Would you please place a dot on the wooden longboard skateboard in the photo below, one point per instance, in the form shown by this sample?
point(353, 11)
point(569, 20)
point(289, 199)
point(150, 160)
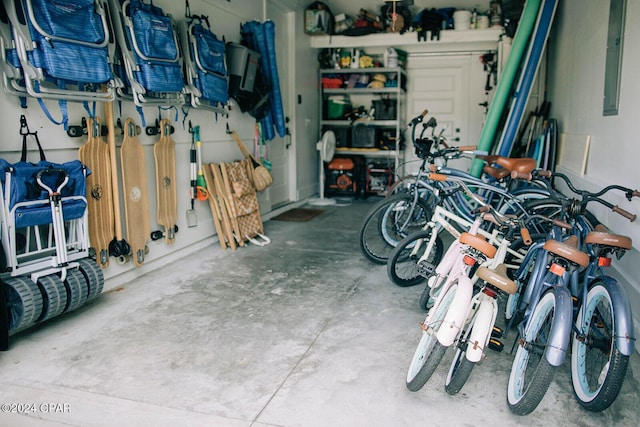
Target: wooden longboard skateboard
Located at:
point(223, 228)
point(95, 155)
point(136, 199)
point(164, 152)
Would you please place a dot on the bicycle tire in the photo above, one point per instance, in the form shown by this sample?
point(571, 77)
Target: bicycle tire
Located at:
point(429, 352)
point(382, 228)
point(531, 373)
point(597, 366)
point(402, 267)
point(461, 367)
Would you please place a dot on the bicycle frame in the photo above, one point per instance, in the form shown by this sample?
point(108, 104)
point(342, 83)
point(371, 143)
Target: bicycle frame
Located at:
point(444, 219)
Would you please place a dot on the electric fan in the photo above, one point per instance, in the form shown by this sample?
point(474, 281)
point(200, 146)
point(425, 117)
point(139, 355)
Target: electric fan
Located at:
point(327, 148)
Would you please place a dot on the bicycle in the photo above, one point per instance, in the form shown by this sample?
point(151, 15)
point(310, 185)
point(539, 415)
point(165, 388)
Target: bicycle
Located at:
point(592, 315)
point(445, 319)
point(480, 331)
point(396, 217)
point(468, 319)
point(453, 285)
point(416, 256)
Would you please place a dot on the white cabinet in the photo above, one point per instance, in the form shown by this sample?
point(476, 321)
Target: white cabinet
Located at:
point(378, 94)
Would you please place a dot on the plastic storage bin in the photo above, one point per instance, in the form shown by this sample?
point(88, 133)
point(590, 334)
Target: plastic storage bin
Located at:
point(338, 106)
point(363, 135)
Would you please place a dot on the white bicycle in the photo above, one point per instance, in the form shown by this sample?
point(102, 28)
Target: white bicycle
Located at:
point(458, 316)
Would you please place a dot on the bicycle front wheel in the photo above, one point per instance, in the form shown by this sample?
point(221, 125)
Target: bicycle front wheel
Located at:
point(461, 367)
point(388, 222)
point(402, 266)
point(429, 352)
point(531, 373)
point(597, 366)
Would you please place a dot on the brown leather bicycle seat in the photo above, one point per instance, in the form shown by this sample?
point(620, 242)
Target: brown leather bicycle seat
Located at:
point(521, 165)
point(479, 243)
point(489, 158)
point(608, 239)
point(567, 250)
point(497, 173)
point(498, 278)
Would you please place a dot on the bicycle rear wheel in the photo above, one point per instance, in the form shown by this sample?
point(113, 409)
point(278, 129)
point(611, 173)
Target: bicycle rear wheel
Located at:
point(429, 352)
point(402, 266)
point(388, 222)
point(531, 373)
point(597, 366)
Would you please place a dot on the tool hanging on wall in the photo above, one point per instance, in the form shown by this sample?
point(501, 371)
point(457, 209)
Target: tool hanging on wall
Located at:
point(491, 68)
point(260, 174)
point(192, 218)
point(201, 185)
point(260, 147)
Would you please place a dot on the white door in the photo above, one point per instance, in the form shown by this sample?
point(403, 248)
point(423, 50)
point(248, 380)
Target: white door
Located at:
point(451, 88)
point(279, 154)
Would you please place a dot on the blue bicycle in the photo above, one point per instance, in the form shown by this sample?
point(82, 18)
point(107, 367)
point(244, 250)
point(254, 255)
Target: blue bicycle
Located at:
point(566, 298)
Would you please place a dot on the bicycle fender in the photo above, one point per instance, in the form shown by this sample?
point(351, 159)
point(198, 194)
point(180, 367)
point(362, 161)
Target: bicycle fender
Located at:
point(623, 318)
point(456, 315)
point(481, 332)
point(561, 328)
point(445, 265)
point(450, 257)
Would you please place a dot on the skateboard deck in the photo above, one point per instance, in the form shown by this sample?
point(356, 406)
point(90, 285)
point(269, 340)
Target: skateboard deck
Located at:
point(223, 228)
point(136, 200)
point(164, 152)
point(118, 248)
point(95, 155)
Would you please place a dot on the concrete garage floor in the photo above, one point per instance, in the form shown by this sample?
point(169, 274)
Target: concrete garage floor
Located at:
point(304, 332)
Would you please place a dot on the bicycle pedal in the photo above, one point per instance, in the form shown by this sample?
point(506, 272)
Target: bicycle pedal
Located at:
point(496, 345)
point(497, 332)
point(426, 269)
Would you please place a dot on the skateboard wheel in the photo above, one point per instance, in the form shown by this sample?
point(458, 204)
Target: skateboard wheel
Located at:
point(122, 259)
point(75, 131)
point(156, 235)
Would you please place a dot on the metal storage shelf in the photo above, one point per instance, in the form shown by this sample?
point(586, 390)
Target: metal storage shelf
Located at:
point(377, 123)
point(368, 152)
point(393, 93)
point(450, 41)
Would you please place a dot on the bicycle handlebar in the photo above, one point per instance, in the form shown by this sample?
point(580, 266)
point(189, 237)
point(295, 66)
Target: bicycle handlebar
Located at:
point(418, 118)
point(631, 217)
point(587, 196)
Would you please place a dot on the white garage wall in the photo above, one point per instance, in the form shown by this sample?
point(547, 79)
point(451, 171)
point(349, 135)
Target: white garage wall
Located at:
point(576, 88)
